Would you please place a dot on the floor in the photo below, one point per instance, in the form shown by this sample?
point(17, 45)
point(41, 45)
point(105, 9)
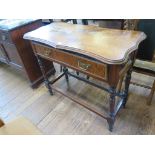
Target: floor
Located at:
point(59, 115)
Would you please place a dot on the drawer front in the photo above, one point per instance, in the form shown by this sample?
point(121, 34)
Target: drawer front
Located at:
point(84, 65)
point(5, 37)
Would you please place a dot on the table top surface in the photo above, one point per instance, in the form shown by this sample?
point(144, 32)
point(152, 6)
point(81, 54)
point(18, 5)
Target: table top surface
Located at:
point(110, 46)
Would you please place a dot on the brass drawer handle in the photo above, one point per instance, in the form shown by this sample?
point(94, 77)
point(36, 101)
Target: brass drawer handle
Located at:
point(83, 66)
point(47, 53)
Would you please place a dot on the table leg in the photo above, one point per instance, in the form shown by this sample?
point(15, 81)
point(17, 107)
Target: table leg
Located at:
point(46, 81)
point(111, 118)
point(77, 73)
point(65, 70)
point(61, 68)
point(1, 123)
point(88, 77)
point(151, 94)
point(127, 83)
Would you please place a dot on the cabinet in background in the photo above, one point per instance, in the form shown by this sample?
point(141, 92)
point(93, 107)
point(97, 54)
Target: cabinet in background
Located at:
point(18, 53)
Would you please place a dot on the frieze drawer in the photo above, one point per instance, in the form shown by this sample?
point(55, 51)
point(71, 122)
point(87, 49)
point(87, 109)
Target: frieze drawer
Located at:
point(90, 67)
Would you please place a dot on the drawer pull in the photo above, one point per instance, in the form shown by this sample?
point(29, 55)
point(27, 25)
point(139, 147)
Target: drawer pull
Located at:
point(83, 66)
point(47, 53)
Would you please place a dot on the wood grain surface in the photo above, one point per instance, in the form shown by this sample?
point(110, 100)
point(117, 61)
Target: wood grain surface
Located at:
point(107, 45)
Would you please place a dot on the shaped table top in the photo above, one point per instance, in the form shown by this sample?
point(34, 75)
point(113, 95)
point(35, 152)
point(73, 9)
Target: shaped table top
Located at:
point(110, 46)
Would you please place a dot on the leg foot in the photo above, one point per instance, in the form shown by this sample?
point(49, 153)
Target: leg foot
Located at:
point(77, 73)
point(88, 77)
point(49, 87)
point(124, 101)
point(111, 118)
point(65, 70)
point(66, 76)
point(111, 121)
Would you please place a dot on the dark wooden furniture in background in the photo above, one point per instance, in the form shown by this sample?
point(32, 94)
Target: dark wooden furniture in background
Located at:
point(145, 52)
point(104, 54)
point(111, 22)
point(147, 68)
point(18, 53)
point(147, 48)
point(86, 21)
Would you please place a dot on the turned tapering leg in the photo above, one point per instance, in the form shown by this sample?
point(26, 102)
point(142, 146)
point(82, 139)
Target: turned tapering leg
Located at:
point(61, 68)
point(88, 77)
point(46, 81)
point(77, 73)
point(111, 118)
point(127, 83)
point(151, 94)
point(65, 70)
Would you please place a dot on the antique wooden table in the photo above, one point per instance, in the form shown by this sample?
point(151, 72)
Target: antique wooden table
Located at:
point(104, 54)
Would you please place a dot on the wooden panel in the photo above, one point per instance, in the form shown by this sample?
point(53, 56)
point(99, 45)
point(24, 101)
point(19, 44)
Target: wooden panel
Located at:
point(110, 46)
point(3, 56)
point(19, 52)
point(13, 55)
point(76, 62)
point(5, 37)
point(25, 51)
